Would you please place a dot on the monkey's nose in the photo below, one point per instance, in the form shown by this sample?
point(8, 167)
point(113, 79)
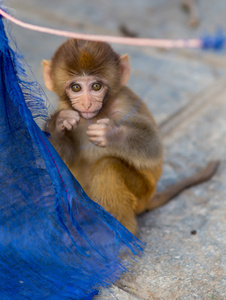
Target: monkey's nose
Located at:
point(87, 105)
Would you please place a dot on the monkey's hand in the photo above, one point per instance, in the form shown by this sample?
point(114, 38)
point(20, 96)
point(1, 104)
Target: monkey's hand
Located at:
point(101, 132)
point(67, 119)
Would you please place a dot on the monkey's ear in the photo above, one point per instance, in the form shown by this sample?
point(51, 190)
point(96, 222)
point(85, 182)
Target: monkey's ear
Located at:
point(47, 74)
point(124, 62)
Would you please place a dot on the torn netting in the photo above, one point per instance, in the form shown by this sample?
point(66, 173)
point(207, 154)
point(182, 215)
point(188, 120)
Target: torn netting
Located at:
point(55, 243)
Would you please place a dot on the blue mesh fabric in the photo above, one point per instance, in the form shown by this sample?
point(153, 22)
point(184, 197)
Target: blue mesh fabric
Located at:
point(55, 243)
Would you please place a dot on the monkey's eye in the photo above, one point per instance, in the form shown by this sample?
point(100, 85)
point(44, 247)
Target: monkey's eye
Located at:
point(96, 86)
point(76, 88)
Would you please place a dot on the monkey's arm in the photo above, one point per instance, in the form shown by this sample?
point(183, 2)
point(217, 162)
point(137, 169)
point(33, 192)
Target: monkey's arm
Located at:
point(62, 137)
point(140, 138)
point(136, 141)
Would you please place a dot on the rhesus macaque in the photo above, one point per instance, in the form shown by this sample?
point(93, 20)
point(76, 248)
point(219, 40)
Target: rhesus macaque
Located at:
point(105, 133)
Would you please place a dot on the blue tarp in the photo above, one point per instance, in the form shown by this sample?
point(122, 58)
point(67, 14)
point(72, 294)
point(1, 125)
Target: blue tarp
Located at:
point(55, 243)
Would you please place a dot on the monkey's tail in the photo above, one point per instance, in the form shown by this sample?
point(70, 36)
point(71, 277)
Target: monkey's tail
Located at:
point(203, 175)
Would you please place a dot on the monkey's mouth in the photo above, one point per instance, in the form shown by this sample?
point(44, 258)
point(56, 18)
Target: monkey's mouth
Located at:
point(89, 115)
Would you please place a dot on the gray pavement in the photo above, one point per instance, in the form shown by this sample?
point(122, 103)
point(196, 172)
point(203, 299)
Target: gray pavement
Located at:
point(185, 90)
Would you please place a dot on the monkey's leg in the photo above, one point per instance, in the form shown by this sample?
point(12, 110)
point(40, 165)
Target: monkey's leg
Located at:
point(108, 187)
point(163, 197)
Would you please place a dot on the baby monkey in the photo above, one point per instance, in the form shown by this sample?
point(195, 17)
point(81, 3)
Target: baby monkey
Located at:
point(105, 133)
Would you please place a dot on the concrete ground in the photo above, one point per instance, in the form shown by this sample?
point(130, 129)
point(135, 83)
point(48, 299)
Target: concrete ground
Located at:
point(185, 253)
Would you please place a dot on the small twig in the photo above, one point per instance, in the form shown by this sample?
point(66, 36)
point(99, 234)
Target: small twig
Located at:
point(191, 7)
point(126, 31)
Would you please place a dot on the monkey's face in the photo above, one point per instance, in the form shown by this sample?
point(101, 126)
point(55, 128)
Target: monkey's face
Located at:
point(86, 94)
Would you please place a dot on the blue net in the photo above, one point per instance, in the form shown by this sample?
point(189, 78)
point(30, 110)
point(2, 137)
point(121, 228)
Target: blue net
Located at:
point(55, 243)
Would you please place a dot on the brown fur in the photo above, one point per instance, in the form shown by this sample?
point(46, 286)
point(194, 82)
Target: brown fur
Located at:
point(78, 57)
point(122, 176)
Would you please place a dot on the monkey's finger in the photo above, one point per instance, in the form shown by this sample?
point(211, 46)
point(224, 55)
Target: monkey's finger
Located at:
point(60, 126)
point(67, 125)
point(103, 121)
point(94, 139)
point(68, 113)
point(97, 127)
point(73, 122)
point(98, 141)
point(97, 133)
